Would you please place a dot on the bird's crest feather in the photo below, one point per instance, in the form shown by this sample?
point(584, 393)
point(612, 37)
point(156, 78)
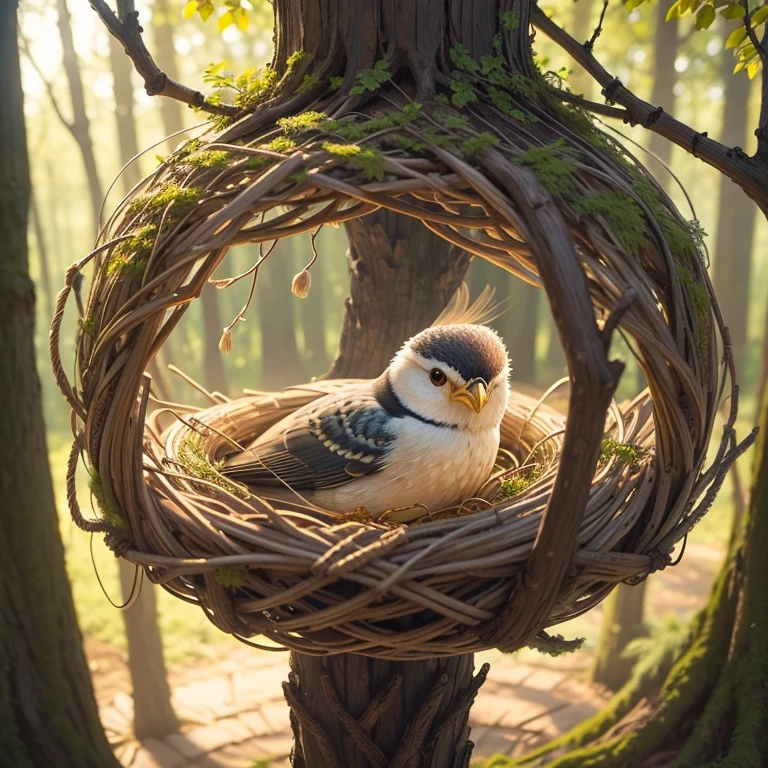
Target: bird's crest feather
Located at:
point(481, 312)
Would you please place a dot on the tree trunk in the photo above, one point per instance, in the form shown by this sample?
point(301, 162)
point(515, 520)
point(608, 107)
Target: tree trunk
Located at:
point(80, 125)
point(622, 623)
point(280, 359)
point(398, 287)
point(43, 257)
point(214, 375)
point(48, 714)
point(401, 278)
point(122, 89)
point(153, 713)
point(735, 222)
point(667, 41)
point(762, 381)
point(165, 56)
point(581, 29)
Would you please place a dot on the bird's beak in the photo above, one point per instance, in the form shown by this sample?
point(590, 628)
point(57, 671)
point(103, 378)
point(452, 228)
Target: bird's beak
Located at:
point(474, 394)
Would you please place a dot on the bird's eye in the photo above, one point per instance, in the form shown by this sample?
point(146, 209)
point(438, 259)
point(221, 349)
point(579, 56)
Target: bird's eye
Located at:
point(437, 377)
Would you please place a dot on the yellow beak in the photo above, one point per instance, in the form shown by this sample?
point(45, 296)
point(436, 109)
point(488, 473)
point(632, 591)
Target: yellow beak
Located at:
point(473, 394)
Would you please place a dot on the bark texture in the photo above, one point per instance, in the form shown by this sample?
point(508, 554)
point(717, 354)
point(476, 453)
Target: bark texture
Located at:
point(352, 712)
point(402, 276)
point(48, 714)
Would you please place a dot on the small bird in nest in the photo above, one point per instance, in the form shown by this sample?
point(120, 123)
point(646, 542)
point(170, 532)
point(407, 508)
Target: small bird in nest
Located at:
point(425, 433)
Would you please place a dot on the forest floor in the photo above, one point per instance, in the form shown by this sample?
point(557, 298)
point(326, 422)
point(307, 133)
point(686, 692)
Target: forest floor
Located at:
point(234, 716)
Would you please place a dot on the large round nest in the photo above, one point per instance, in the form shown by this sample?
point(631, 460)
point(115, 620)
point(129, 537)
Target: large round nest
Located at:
point(561, 208)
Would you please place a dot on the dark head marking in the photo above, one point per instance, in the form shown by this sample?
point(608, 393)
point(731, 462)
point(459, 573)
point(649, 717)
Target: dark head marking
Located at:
point(474, 351)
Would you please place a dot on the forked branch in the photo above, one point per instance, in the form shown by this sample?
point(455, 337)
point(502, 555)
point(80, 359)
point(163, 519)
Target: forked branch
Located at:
point(750, 173)
point(126, 28)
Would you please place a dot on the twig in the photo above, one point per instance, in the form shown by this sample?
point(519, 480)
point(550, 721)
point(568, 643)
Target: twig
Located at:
point(749, 173)
point(751, 34)
point(127, 30)
point(590, 44)
point(47, 84)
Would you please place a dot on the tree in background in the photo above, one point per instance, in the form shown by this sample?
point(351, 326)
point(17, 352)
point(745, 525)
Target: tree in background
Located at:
point(48, 714)
point(153, 713)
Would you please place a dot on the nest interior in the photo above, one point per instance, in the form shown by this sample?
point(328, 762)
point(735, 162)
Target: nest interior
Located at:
point(535, 189)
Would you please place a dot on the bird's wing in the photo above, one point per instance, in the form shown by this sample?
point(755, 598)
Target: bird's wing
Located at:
point(327, 443)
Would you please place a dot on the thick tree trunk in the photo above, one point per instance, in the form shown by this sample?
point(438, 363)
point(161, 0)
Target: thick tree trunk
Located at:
point(48, 714)
point(735, 222)
point(80, 125)
point(280, 359)
point(343, 718)
point(401, 278)
point(399, 286)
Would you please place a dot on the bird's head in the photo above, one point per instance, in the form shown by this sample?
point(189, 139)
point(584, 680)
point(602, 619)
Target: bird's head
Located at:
point(453, 374)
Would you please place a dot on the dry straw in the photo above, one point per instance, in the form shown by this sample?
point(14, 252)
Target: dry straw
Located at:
point(551, 201)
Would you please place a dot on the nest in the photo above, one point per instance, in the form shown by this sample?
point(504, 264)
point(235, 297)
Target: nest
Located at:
point(552, 201)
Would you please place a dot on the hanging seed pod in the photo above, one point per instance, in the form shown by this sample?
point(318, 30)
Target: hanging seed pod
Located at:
point(225, 342)
point(301, 283)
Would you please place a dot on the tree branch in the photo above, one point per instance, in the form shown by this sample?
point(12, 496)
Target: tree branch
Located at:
point(24, 45)
point(127, 30)
point(750, 173)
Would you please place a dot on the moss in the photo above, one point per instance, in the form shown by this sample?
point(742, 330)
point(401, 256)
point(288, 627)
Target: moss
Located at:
point(303, 122)
point(132, 255)
point(106, 504)
point(478, 143)
point(281, 144)
point(553, 165)
point(627, 454)
point(193, 457)
point(697, 293)
point(515, 484)
point(231, 576)
point(177, 200)
point(406, 143)
point(555, 645)
point(366, 160)
point(309, 82)
point(622, 214)
point(87, 325)
point(218, 158)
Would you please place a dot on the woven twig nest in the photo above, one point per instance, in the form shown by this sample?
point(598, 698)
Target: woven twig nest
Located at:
point(560, 207)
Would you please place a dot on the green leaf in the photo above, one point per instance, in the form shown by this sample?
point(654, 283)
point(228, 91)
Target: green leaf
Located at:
point(190, 9)
point(241, 19)
point(206, 10)
point(630, 5)
point(733, 11)
point(736, 38)
point(760, 15)
point(705, 17)
point(753, 67)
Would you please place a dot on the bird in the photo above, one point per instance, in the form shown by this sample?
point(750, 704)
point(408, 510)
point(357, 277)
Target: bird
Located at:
point(425, 433)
